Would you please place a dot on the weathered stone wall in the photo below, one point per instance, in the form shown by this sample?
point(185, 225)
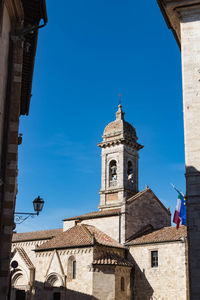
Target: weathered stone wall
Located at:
point(48, 263)
point(11, 59)
point(29, 247)
point(190, 45)
point(125, 273)
point(184, 19)
point(168, 280)
point(143, 211)
point(4, 48)
point(104, 282)
point(68, 224)
point(107, 282)
point(109, 225)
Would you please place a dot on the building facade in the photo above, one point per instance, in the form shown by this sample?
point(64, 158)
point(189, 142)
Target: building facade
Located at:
point(19, 24)
point(125, 250)
point(183, 17)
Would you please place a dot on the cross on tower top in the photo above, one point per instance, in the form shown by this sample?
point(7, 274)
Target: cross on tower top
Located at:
point(120, 95)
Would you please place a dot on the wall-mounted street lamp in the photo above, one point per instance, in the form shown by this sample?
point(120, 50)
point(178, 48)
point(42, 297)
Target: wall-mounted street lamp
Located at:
point(38, 204)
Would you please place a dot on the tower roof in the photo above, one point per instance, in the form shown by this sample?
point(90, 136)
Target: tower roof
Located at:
point(119, 131)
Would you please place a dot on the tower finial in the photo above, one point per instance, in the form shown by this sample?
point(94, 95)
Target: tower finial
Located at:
point(120, 113)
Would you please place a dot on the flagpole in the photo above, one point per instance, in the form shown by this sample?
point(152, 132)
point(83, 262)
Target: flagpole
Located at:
point(174, 187)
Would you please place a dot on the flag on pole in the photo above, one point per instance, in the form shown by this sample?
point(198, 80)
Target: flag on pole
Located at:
point(180, 211)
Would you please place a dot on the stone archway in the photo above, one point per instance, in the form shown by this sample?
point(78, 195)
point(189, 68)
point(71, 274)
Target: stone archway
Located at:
point(19, 283)
point(54, 286)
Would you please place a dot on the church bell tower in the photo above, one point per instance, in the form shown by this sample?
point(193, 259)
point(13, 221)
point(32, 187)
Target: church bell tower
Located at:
point(119, 163)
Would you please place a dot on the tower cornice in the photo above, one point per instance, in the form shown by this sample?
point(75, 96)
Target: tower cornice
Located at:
point(118, 142)
point(173, 11)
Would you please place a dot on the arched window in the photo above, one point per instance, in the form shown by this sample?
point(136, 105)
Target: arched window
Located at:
point(113, 170)
point(74, 269)
point(71, 269)
point(122, 284)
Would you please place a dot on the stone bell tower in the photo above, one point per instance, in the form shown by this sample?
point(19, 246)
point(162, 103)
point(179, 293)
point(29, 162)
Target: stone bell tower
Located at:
point(119, 159)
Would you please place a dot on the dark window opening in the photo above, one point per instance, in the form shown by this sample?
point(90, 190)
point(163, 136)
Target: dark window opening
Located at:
point(20, 295)
point(130, 172)
point(113, 170)
point(154, 259)
point(56, 296)
point(122, 284)
point(74, 269)
point(130, 168)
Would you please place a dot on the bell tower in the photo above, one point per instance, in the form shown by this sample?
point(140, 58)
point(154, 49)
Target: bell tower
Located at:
point(119, 162)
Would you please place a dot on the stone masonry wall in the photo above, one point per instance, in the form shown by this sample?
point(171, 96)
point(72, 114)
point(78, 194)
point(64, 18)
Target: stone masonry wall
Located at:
point(165, 282)
point(104, 282)
point(190, 45)
point(143, 211)
point(11, 97)
point(125, 273)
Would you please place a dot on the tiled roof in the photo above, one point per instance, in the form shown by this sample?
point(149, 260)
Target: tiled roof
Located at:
point(165, 234)
point(111, 259)
point(95, 214)
point(36, 235)
point(25, 257)
point(77, 236)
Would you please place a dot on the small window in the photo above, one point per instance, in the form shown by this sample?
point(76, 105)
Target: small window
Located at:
point(154, 259)
point(122, 284)
point(74, 269)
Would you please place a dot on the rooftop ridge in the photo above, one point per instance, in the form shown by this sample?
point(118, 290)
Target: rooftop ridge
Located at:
point(36, 235)
point(95, 214)
point(164, 234)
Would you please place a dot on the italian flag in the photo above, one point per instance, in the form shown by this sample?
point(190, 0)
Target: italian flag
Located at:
point(176, 218)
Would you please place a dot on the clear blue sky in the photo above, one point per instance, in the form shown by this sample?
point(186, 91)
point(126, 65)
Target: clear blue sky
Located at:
point(89, 52)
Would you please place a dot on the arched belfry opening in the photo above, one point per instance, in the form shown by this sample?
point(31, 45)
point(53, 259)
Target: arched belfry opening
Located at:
point(130, 172)
point(119, 177)
point(113, 171)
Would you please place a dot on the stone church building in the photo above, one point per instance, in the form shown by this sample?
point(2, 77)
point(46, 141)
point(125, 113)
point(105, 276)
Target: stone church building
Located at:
point(125, 250)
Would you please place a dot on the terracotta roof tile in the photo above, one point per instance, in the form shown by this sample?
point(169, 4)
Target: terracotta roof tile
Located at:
point(79, 235)
point(36, 235)
point(95, 214)
point(165, 234)
point(111, 259)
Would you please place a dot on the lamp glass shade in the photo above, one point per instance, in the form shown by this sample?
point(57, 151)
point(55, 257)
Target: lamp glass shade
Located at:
point(38, 204)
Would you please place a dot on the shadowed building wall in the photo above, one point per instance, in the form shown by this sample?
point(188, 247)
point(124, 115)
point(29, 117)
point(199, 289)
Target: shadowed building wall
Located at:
point(19, 20)
point(183, 17)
